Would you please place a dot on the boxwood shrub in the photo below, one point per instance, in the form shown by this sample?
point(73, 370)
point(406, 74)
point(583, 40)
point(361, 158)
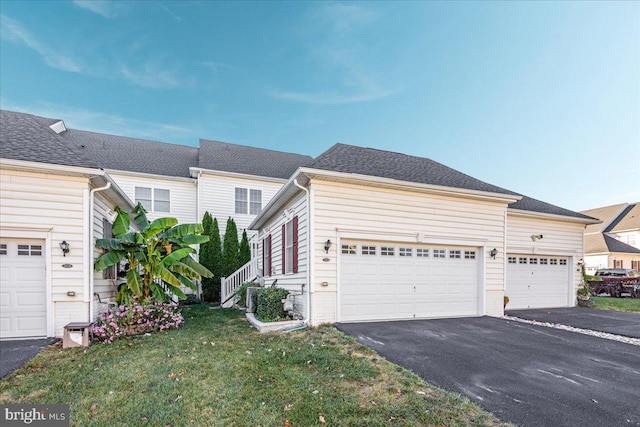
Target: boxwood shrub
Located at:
point(270, 307)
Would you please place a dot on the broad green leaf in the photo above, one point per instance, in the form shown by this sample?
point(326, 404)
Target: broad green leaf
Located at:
point(158, 226)
point(181, 230)
point(157, 292)
point(108, 259)
point(133, 281)
point(177, 255)
point(199, 268)
point(167, 276)
point(176, 291)
point(185, 270)
point(191, 240)
point(186, 282)
point(121, 223)
point(140, 219)
point(109, 244)
point(132, 238)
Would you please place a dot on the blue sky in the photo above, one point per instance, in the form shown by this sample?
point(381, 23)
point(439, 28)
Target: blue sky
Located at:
point(542, 98)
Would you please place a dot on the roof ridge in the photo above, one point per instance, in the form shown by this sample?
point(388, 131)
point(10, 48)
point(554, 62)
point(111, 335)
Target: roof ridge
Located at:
point(132, 138)
point(253, 148)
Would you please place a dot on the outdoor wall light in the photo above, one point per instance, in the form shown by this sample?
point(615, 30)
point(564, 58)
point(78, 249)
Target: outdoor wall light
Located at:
point(493, 253)
point(65, 247)
point(327, 245)
point(535, 237)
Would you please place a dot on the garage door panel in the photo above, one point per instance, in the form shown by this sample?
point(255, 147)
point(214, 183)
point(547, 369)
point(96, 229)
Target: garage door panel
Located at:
point(23, 289)
point(405, 287)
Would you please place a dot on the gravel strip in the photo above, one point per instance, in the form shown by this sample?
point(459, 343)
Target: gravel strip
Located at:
point(628, 340)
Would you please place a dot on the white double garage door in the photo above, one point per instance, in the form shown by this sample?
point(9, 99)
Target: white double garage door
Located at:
point(387, 281)
point(391, 281)
point(23, 310)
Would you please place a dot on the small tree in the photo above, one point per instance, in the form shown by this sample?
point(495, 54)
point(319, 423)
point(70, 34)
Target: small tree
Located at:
point(158, 257)
point(245, 250)
point(230, 250)
point(211, 257)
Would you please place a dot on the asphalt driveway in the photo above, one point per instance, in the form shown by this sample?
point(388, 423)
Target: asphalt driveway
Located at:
point(613, 322)
point(525, 374)
point(15, 353)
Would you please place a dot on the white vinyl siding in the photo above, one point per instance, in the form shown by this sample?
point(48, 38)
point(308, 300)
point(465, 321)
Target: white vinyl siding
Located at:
point(405, 215)
point(218, 197)
point(56, 203)
point(182, 194)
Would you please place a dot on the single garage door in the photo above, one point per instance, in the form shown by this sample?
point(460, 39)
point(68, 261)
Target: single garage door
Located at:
point(385, 281)
point(537, 281)
point(23, 310)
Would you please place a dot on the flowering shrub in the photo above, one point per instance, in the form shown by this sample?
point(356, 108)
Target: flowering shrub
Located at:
point(135, 319)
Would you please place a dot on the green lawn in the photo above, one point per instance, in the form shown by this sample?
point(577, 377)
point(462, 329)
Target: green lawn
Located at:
point(218, 371)
point(617, 304)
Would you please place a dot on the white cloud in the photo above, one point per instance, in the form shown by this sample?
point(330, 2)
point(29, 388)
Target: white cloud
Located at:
point(151, 76)
point(14, 31)
point(102, 8)
point(331, 98)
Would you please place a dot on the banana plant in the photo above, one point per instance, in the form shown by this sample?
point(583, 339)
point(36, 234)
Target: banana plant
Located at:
point(157, 254)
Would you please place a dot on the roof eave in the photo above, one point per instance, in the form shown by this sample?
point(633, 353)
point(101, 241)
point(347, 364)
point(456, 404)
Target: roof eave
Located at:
point(542, 215)
point(283, 195)
point(194, 171)
point(428, 188)
point(29, 166)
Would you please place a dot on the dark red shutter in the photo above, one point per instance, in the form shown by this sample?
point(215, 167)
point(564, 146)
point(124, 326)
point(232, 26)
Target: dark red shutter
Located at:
point(284, 248)
point(264, 264)
point(270, 254)
point(295, 244)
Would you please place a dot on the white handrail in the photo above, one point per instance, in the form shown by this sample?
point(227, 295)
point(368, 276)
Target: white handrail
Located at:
point(228, 285)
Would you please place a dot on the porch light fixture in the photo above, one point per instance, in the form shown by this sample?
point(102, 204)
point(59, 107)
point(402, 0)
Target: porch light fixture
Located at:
point(493, 253)
point(327, 245)
point(535, 237)
point(65, 247)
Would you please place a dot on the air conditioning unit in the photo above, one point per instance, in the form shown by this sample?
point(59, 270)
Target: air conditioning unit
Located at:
point(251, 300)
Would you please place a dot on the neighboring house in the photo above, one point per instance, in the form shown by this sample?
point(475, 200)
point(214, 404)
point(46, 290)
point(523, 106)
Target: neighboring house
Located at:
point(48, 195)
point(364, 234)
point(614, 243)
point(46, 171)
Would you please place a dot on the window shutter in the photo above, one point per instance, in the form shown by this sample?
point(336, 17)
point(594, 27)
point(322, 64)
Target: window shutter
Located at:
point(295, 244)
point(264, 264)
point(270, 254)
point(284, 247)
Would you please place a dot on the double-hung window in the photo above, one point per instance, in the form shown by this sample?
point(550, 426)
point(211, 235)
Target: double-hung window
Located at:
point(154, 199)
point(266, 256)
point(241, 200)
point(255, 202)
point(248, 201)
point(290, 246)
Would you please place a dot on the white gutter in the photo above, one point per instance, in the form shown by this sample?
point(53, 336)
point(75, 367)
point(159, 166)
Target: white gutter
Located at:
point(542, 215)
point(309, 247)
point(91, 246)
point(193, 170)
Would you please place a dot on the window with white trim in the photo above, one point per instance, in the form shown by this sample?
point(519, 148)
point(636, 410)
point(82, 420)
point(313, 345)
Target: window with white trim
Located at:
point(533, 261)
point(563, 262)
point(617, 263)
point(405, 252)
point(288, 258)
point(241, 200)
point(153, 199)
point(368, 250)
point(439, 253)
point(544, 261)
point(455, 254)
point(422, 253)
point(30, 250)
point(255, 202)
point(553, 261)
point(349, 249)
point(522, 260)
point(387, 251)
point(469, 254)
point(513, 260)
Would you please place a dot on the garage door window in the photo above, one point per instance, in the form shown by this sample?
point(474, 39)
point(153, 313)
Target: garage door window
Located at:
point(405, 252)
point(469, 254)
point(439, 253)
point(387, 251)
point(533, 261)
point(522, 260)
point(30, 250)
point(368, 250)
point(3, 249)
point(513, 260)
point(454, 254)
point(349, 249)
point(563, 262)
point(422, 253)
point(544, 261)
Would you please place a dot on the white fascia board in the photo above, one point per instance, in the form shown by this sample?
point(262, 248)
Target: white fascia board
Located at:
point(404, 185)
point(119, 194)
point(194, 173)
point(283, 195)
point(548, 216)
point(151, 175)
point(606, 224)
point(51, 168)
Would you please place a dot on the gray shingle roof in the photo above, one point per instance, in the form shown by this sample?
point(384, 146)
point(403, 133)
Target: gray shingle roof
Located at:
point(29, 138)
point(627, 220)
point(220, 156)
point(601, 243)
point(132, 154)
point(387, 164)
point(604, 214)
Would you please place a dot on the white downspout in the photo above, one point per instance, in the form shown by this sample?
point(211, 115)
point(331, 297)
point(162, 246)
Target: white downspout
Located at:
point(92, 245)
point(309, 254)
